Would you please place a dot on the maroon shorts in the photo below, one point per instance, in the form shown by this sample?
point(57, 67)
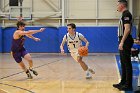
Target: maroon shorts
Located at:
point(18, 55)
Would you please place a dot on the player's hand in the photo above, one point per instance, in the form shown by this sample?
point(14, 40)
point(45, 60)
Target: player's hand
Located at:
point(42, 29)
point(137, 41)
point(121, 46)
point(62, 52)
point(19, 18)
point(86, 47)
point(36, 39)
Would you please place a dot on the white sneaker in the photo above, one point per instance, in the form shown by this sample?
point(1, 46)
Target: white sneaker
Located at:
point(136, 59)
point(88, 75)
point(132, 59)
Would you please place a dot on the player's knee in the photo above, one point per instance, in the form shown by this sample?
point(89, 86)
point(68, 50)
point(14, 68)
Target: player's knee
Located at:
point(30, 60)
point(79, 60)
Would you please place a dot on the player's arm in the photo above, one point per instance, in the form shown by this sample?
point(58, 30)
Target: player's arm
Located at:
point(84, 39)
point(32, 37)
point(126, 32)
point(137, 41)
point(127, 18)
point(30, 32)
point(62, 44)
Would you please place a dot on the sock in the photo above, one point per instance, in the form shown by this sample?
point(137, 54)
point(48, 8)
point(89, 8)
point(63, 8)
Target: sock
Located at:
point(87, 72)
point(88, 68)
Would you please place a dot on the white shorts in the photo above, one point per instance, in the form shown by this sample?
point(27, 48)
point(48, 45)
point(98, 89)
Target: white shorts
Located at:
point(75, 55)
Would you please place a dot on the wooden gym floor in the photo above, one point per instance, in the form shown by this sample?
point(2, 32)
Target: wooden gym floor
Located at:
point(59, 74)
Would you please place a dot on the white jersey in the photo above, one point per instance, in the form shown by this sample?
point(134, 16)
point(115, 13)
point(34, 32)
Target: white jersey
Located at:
point(73, 43)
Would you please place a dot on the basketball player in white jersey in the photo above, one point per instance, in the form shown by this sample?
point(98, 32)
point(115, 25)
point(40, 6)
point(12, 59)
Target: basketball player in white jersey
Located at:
point(74, 41)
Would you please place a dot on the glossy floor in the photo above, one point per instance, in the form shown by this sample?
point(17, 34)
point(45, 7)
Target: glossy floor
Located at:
point(59, 74)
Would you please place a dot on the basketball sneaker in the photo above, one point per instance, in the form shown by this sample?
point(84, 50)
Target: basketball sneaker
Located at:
point(34, 72)
point(91, 71)
point(29, 75)
point(88, 75)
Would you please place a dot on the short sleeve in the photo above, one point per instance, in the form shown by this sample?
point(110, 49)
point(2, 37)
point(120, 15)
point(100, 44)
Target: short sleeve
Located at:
point(81, 36)
point(127, 18)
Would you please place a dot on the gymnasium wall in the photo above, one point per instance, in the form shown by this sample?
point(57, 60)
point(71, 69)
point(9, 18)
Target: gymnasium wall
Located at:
point(136, 8)
point(81, 12)
point(0, 39)
point(102, 39)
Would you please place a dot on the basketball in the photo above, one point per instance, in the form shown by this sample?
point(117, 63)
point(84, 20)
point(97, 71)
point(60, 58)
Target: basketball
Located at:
point(83, 51)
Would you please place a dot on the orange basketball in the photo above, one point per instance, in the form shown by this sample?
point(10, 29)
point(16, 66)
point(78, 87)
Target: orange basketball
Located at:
point(83, 51)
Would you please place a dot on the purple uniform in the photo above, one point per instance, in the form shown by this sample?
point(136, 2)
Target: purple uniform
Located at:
point(18, 50)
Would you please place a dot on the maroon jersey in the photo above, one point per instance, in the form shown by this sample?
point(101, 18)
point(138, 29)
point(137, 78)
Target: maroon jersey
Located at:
point(18, 44)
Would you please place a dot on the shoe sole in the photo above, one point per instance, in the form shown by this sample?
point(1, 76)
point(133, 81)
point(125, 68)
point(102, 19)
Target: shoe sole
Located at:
point(29, 78)
point(35, 73)
point(116, 87)
point(88, 77)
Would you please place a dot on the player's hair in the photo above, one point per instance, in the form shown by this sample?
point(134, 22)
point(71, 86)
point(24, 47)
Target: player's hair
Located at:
point(72, 25)
point(123, 2)
point(20, 23)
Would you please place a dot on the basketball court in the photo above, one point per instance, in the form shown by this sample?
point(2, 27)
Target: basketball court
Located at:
point(60, 74)
point(96, 20)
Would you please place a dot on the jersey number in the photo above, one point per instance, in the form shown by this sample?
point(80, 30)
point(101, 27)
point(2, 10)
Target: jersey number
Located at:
point(74, 45)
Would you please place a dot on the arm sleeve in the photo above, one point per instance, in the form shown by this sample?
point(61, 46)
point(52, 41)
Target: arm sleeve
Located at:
point(127, 18)
point(81, 36)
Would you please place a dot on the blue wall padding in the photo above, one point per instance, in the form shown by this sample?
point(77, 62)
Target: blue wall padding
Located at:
point(7, 38)
point(0, 39)
point(134, 32)
point(62, 32)
point(49, 41)
point(102, 39)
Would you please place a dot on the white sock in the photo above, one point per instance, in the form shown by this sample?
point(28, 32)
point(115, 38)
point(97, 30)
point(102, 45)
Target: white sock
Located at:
point(88, 72)
point(88, 68)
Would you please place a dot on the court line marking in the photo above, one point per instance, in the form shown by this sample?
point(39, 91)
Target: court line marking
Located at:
point(22, 72)
point(34, 67)
point(17, 87)
point(118, 71)
point(4, 91)
point(39, 67)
